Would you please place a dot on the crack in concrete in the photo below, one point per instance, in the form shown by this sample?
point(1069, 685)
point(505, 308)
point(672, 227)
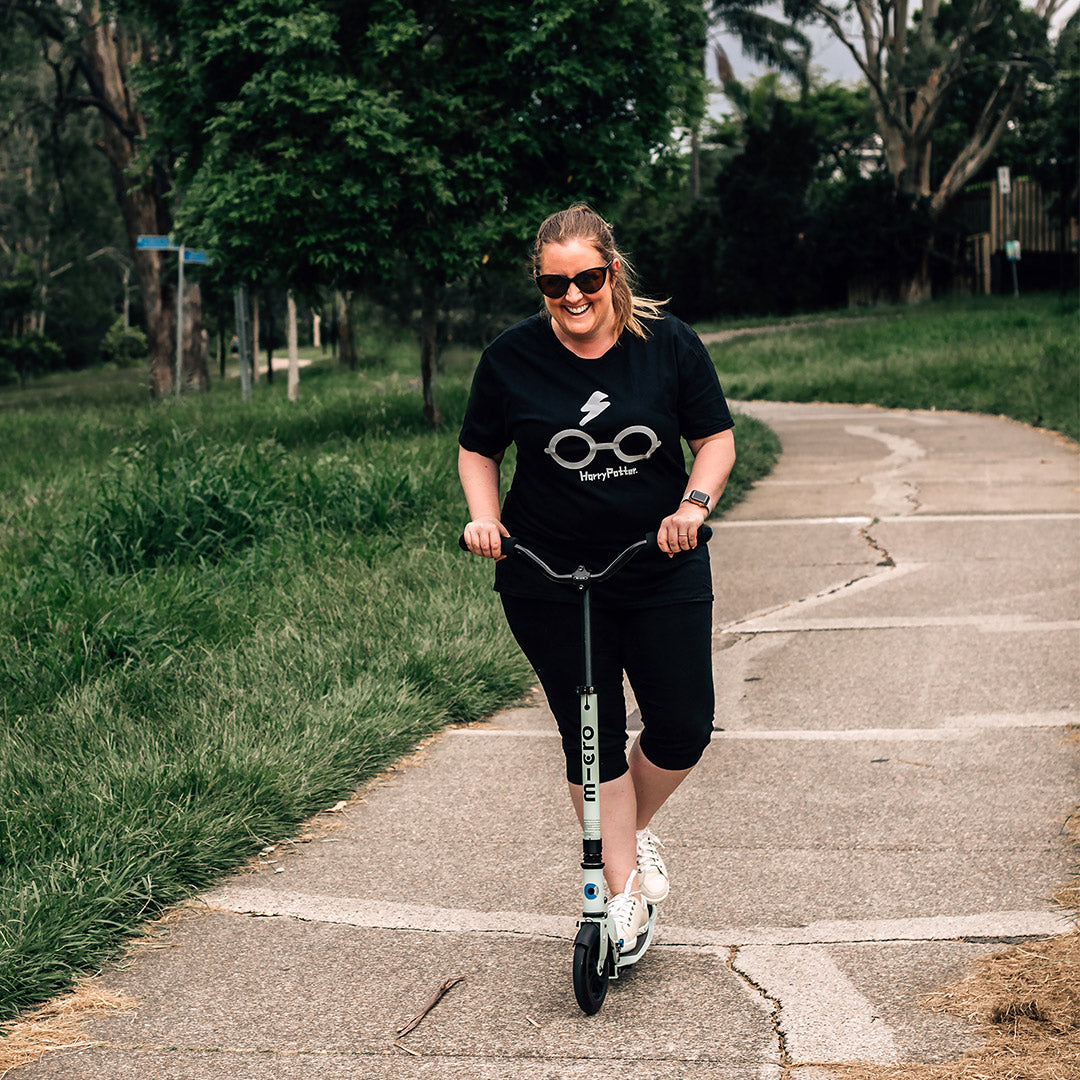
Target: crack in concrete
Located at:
point(876, 545)
point(774, 1005)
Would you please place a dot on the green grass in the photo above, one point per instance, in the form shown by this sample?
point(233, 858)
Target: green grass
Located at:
point(216, 619)
point(1008, 356)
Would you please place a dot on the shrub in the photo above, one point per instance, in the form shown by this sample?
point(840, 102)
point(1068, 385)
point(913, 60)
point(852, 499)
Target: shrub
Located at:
point(29, 355)
point(125, 346)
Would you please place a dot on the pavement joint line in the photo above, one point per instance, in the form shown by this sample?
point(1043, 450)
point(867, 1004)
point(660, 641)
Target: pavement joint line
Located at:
point(378, 1050)
point(388, 915)
point(893, 519)
point(987, 624)
point(958, 727)
point(789, 609)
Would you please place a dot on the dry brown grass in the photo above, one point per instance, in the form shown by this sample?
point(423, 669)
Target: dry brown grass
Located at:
point(1025, 1002)
point(58, 1024)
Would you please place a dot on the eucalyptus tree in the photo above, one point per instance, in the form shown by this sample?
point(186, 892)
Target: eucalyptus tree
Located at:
point(323, 141)
point(91, 50)
point(915, 59)
point(56, 214)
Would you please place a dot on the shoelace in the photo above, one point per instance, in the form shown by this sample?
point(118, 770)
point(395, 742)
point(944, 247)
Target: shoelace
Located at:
point(647, 854)
point(622, 906)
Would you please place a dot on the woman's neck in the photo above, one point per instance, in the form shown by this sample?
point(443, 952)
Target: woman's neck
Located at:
point(590, 348)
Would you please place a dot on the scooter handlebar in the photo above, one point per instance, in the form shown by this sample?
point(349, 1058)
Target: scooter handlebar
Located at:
point(510, 543)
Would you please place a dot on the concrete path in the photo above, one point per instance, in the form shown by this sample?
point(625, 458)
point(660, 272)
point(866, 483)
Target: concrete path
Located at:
point(896, 665)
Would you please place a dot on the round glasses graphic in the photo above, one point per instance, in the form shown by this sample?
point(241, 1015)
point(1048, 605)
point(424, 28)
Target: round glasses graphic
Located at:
point(623, 446)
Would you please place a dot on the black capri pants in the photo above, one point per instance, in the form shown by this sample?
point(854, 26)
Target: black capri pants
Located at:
point(666, 653)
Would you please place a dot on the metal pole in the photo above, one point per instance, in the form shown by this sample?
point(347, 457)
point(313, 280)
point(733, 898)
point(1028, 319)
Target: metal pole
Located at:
point(179, 319)
point(243, 341)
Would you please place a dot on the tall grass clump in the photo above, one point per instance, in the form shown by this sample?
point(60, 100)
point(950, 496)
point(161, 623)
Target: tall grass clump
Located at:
point(1009, 356)
point(216, 619)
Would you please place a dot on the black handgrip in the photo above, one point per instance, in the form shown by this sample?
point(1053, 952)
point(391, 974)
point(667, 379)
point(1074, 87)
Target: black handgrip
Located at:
point(507, 547)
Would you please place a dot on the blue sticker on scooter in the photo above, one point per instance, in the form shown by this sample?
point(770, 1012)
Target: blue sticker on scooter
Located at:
point(591, 891)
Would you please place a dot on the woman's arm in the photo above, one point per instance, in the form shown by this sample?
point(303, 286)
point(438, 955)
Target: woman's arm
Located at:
point(479, 476)
point(714, 457)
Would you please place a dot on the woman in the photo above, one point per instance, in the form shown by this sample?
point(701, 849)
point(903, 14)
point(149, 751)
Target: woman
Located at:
point(595, 392)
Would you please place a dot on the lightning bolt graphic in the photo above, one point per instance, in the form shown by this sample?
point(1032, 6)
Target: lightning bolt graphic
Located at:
point(594, 406)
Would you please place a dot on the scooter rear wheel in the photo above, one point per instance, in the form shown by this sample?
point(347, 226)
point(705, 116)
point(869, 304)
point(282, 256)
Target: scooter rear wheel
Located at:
point(590, 981)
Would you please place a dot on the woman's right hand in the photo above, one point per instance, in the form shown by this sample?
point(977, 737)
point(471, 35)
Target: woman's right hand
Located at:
point(483, 536)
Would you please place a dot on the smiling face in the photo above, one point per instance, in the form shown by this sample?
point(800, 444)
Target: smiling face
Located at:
point(583, 322)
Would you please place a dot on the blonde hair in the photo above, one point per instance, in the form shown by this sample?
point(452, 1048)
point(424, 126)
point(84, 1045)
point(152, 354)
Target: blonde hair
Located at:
point(581, 222)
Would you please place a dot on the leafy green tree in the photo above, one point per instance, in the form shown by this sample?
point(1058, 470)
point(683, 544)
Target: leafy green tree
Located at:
point(749, 243)
point(318, 141)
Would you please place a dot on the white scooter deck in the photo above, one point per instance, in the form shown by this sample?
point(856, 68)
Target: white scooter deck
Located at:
point(632, 956)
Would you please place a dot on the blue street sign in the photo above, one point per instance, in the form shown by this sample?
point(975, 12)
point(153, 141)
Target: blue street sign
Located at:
point(195, 256)
point(154, 243)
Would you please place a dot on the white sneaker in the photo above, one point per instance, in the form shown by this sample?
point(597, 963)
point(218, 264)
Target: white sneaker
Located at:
point(652, 874)
point(630, 914)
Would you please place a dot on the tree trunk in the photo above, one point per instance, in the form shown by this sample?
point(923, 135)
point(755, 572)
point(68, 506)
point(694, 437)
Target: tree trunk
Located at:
point(917, 287)
point(429, 349)
point(196, 371)
point(345, 337)
point(144, 210)
point(294, 349)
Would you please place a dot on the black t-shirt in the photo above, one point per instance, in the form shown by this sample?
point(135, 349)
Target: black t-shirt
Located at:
point(599, 457)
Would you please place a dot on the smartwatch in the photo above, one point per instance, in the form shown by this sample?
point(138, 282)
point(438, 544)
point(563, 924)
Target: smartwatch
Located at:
point(698, 498)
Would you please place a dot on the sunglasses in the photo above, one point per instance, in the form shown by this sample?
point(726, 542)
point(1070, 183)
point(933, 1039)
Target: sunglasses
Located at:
point(588, 281)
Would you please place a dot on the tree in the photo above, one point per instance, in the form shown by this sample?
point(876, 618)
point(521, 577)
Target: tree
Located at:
point(915, 61)
point(56, 214)
point(321, 141)
point(754, 241)
point(90, 52)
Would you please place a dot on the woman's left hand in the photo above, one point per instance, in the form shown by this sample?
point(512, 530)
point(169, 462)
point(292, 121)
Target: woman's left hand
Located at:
point(678, 531)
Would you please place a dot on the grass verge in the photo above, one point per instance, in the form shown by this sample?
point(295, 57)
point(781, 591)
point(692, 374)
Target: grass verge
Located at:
point(1005, 356)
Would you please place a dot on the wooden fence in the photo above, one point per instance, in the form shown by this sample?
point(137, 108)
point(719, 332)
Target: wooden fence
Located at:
point(992, 218)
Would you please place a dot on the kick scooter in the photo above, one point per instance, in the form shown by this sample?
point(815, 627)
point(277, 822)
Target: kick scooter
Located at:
point(598, 951)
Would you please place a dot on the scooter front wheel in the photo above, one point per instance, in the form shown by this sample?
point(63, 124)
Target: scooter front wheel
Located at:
point(590, 978)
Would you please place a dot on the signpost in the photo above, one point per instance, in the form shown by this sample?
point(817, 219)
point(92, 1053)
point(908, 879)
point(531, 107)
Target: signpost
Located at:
point(150, 242)
point(1012, 247)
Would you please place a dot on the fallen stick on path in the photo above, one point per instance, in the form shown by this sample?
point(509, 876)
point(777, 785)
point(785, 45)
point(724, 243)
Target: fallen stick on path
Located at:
point(410, 1024)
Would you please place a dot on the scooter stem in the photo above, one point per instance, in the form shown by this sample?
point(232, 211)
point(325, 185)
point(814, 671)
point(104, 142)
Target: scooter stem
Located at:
point(592, 862)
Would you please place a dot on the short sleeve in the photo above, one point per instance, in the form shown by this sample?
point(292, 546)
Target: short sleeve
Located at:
point(485, 429)
point(703, 409)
